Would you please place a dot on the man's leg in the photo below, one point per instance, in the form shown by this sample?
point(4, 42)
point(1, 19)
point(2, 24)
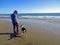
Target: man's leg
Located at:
point(14, 28)
point(17, 28)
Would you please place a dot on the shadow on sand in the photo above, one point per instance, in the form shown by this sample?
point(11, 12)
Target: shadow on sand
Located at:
point(4, 33)
point(12, 35)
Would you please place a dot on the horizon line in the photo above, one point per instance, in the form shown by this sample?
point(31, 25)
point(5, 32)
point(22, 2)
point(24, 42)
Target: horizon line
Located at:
point(28, 13)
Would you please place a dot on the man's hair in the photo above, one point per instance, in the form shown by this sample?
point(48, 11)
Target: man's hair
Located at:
point(15, 12)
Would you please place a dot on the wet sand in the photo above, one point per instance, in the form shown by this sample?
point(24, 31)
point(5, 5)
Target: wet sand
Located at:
point(39, 32)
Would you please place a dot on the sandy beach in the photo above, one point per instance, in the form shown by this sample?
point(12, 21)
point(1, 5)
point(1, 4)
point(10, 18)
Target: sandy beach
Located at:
point(39, 32)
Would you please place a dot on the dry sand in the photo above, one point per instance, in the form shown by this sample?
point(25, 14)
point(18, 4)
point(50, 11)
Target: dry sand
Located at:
point(39, 32)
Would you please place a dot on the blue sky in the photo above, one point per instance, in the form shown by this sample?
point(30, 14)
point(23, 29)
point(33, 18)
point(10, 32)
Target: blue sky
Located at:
point(30, 6)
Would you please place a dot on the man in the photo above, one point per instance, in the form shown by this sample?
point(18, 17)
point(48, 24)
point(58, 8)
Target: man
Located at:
point(15, 22)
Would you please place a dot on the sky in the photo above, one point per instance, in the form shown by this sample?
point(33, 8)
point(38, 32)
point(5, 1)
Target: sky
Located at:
point(29, 6)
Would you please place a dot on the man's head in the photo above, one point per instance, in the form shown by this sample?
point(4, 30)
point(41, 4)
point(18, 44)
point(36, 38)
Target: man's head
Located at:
point(15, 12)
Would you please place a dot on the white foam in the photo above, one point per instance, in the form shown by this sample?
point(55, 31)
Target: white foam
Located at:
point(40, 16)
point(4, 16)
point(33, 17)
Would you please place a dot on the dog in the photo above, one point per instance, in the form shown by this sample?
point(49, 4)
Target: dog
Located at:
point(23, 29)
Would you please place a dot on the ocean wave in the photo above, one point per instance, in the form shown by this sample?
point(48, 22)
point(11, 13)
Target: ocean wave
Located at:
point(40, 16)
point(4, 16)
point(32, 17)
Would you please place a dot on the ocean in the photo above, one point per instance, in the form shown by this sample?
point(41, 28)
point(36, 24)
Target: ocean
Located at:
point(33, 15)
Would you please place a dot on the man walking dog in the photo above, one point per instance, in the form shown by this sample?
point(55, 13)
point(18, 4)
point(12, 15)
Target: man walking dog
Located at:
point(15, 22)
